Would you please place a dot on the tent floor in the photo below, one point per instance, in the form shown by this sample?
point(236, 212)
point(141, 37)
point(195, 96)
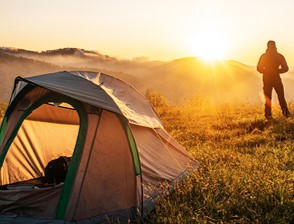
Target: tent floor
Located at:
point(27, 184)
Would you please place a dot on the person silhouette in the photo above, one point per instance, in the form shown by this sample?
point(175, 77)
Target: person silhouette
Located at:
point(271, 64)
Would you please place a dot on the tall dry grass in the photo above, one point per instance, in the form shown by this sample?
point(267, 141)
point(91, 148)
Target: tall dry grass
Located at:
point(246, 164)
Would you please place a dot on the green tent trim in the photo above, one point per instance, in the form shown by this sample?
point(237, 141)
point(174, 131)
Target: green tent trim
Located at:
point(77, 150)
point(132, 145)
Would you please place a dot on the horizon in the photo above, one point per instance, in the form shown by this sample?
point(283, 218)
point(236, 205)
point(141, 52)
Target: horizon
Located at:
point(163, 31)
point(140, 58)
point(230, 79)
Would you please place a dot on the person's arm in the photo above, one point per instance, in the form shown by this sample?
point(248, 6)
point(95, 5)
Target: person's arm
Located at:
point(284, 66)
point(260, 65)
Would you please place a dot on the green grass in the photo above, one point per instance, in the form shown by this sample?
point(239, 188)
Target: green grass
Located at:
point(246, 165)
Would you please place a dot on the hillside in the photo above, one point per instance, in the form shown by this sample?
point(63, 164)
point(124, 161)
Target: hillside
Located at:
point(226, 80)
point(246, 165)
point(15, 62)
point(176, 80)
point(245, 171)
point(12, 66)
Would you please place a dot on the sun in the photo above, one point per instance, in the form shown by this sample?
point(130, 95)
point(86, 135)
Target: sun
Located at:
point(209, 45)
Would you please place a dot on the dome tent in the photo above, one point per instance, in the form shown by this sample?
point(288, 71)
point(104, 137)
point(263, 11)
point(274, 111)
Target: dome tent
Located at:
point(119, 150)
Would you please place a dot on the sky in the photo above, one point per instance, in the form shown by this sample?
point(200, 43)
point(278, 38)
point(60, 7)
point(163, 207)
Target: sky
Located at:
point(151, 29)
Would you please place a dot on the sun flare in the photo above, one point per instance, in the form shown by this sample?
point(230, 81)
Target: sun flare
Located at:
point(209, 45)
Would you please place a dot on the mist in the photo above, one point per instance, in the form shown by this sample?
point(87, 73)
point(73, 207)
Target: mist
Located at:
point(177, 80)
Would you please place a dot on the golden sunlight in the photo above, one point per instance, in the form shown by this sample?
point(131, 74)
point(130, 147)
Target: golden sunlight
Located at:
point(209, 41)
point(209, 45)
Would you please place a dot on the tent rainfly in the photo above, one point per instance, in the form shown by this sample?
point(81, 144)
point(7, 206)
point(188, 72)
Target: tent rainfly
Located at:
point(108, 149)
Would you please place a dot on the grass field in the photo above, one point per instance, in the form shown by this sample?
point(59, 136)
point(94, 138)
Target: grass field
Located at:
point(246, 164)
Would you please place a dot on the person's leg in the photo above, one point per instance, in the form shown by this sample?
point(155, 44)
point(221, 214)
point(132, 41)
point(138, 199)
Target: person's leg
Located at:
point(279, 88)
point(267, 90)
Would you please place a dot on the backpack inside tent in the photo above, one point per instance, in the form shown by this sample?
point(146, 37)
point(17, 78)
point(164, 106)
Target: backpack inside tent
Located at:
point(83, 147)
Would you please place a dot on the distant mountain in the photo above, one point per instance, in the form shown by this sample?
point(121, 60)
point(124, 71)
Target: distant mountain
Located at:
point(19, 62)
point(80, 58)
point(12, 66)
point(62, 51)
point(176, 80)
point(223, 80)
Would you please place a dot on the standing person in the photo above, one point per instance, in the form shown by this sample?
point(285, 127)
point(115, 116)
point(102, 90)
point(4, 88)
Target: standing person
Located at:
point(271, 64)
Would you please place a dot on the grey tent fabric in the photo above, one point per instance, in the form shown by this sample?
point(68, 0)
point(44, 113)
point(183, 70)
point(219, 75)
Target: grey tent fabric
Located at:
point(120, 152)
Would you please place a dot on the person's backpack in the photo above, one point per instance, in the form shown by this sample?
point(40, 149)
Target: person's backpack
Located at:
point(55, 171)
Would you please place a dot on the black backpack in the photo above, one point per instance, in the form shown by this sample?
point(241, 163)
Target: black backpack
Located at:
point(55, 171)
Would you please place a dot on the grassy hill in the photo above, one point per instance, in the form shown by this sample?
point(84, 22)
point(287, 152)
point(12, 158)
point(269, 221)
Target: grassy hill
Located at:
point(246, 165)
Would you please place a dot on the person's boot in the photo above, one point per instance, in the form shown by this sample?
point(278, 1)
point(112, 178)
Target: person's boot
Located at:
point(268, 113)
point(286, 112)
